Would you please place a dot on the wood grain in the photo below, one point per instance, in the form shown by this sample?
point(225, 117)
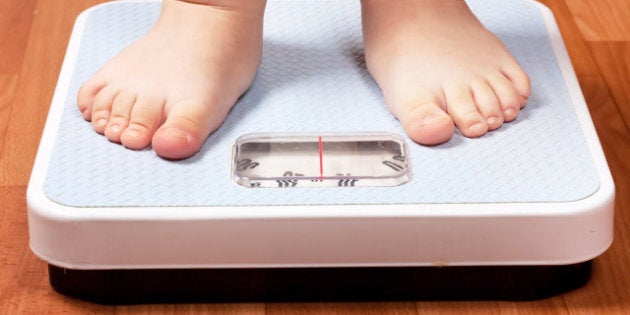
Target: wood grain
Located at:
point(583, 62)
point(39, 70)
point(603, 20)
point(613, 60)
point(34, 35)
point(15, 23)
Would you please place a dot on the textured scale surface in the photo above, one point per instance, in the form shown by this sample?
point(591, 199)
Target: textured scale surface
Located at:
point(313, 79)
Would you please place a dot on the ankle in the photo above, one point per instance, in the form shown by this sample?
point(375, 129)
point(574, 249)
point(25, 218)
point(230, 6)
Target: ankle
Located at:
point(417, 8)
point(226, 14)
point(254, 6)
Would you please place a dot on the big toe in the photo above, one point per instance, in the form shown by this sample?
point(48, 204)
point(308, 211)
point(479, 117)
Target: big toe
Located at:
point(427, 124)
point(185, 130)
point(176, 142)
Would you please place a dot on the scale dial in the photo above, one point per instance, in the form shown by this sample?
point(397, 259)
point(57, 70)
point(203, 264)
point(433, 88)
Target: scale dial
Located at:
point(284, 160)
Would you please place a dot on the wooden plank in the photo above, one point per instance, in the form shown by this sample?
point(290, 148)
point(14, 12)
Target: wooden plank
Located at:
point(399, 308)
point(15, 23)
point(34, 90)
point(613, 60)
point(602, 20)
point(219, 308)
point(8, 83)
point(583, 62)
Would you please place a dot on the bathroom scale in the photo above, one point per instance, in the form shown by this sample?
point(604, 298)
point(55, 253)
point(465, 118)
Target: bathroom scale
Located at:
point(311, 191)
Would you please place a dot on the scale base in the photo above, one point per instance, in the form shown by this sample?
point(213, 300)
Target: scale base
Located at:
point(513, 283)
point(531, 204)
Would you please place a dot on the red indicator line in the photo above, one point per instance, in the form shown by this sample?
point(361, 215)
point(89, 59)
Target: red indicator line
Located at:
point(321, 158)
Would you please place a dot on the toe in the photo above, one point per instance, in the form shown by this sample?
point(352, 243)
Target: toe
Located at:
point(487, 104)
point(461, 106)
point(101, 109)
point(86, 95)
point(146, 116)
point(187, 126)
point(520, 81)
point(119, 115)
point(424, 120)
point(509, 98)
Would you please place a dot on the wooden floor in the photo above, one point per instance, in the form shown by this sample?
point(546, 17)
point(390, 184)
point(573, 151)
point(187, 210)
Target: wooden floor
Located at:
point(33, 38)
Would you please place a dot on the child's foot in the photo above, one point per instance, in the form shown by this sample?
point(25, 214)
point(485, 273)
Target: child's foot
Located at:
point(176, 84)
point(437, 67)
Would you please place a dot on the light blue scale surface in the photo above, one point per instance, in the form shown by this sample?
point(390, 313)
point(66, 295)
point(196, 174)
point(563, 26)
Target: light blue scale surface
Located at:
point(313, 79)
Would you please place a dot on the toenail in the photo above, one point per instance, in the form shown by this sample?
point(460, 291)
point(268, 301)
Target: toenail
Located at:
point(100, 122)
point(114, 127)
point(178, 133)
point(493, 120)
point(432, 119)
point(133, 133)
point(477, 127)
point(510, 112)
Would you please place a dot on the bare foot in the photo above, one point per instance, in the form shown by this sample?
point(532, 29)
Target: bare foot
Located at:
point(175, 85)
point(438, 67)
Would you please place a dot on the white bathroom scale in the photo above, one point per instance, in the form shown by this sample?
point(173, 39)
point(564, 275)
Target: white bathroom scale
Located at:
point(311, 190)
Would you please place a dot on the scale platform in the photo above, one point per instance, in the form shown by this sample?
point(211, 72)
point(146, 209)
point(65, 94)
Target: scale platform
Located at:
point(519, 213)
